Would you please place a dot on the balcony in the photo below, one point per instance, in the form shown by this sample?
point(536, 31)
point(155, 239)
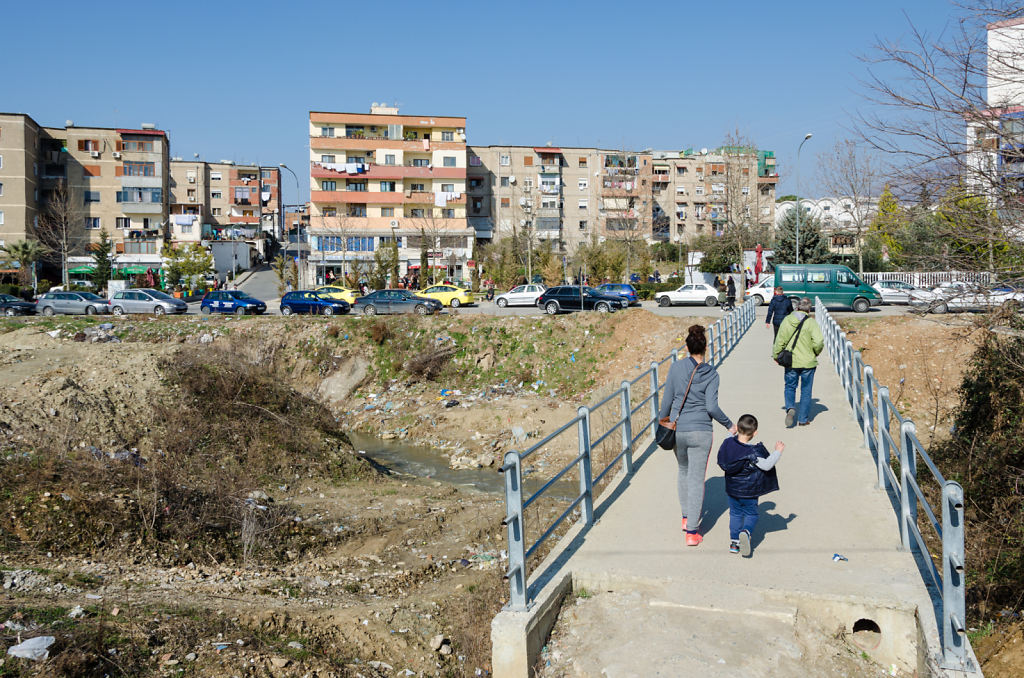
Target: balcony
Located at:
point(771, 179)
point(381, 197)
point(549, 169)
point(550, 190)
point(142, 207)
point(661, 177)
point(375, 171)
point(359, 143)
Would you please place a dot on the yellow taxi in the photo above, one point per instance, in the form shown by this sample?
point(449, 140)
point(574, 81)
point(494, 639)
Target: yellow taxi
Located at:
point(337, 292)
point(448, 295)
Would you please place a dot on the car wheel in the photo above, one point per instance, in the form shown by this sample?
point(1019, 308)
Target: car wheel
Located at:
point(90, 310)
point(710, 301)
point(502, 303)
point(861, 305)
point(117, 310)
point(664, 302)
point(456, 303)
point(240, 310)
point(941, 308)
point(370, 310)
point(205, 310)
point(421, 309)
point(158, 310)
point(287, 310)
point(758, 299)
point(328, 310)
point(9, 312)
point(551, 308)
point(48, 310)
point(602, 308)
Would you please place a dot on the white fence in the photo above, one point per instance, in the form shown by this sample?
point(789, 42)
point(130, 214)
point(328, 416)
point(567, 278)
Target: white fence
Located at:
point(929, 278)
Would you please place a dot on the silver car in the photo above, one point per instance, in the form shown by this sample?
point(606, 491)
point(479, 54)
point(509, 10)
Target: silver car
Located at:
point(146, 301)
point(80, 303)
point(895, 291)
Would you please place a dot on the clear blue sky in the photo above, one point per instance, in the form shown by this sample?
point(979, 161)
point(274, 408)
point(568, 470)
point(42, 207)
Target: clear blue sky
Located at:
point(237, 80)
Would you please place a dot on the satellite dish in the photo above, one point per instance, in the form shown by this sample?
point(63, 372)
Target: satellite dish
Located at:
point(511, 180)
point(703, 151)
point(522, 201)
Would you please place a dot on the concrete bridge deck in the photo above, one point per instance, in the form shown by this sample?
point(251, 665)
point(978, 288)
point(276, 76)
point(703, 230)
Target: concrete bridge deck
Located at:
point(678, 607)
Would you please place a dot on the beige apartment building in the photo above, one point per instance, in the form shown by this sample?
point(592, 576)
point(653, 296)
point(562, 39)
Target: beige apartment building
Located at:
point(381, 175)
point(19, 176)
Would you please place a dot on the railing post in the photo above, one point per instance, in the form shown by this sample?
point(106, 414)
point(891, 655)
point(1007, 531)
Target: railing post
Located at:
point(883, 452)
point(867, 402)
point(858, 379)
point(655, 400)
point(585, 466)
point(908, 470)
point(711, 345)
point(517, 598)
point(954, 650)
point(627, 423)
point(843, 367)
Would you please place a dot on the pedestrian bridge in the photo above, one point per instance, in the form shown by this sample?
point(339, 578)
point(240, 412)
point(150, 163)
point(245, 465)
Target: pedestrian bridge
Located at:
point(848, 544)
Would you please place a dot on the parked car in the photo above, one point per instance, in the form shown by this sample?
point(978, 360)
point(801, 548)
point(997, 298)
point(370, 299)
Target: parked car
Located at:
point(314, 303)
point(74, 284)
point(697, 293)
point(146, 300)
point(522, 295)
point(962, 296)
point(448, 295)
point(78, 303)
point(231, 301)
point(627, 292)
point(337, 292)
point(895, 291)
point(396, 301)
point(761, 292)
point(836, 285)
point(574, 298)
point(11, 305)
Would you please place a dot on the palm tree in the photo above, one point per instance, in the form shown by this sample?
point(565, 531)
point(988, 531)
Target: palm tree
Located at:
point(26, 253)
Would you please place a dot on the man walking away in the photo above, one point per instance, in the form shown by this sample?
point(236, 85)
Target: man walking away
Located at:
point(730, 293)
point(778, 308)
point(799, 333)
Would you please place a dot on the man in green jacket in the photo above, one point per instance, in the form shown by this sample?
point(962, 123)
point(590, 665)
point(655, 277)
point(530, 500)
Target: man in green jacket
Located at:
point(805, 349)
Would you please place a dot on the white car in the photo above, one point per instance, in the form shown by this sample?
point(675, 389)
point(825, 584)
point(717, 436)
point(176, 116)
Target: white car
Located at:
point(688, 294)
point(523, 295)
point(895, 291)
point(763, 291)
point(962, 296)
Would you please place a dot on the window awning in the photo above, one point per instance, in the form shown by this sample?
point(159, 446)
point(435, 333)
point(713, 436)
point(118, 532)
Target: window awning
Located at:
point(82, 269)
point(547, 150)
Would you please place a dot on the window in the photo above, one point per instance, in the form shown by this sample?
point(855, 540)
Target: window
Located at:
point(448, 161)
point(680, 190)
point(267, 174)
point(582, 163)
point(582, 204)
point(718, 189)
point(357, 210)
point(448, 188)
point(217, 195)
point(1, 189)
point(92, 223)
point(817, 277)
point(549, 203)
point(745, 190)
point(506, 202)
point(329, 212)
point(138, 169)
point(328, 185)
point(387, 211)
point(416, 187)
point(88, 144)
point(387, 187)
point(186, 229)
point(215, 176)
point(477, 205)
point(242, 194)
point(363, 244)
point(583, 184)
point(681, 171)
point(528, 160)
point(389, 159)
point(356, 186)
point(90, 170)
point(792, 276)
point(503, 160)
point(191, 195)
point(1, 217)
point(504, 182)
point(447, 136)
point(846, 278)
point(527, 185)
point(475, 161)
point(583, 224)
point(416, 212)
point(91, 196)
point(448, 213)
point(325, 158)
point(215, 211)
point(123, 222)
point(136, 145)
point(420, 162)
point(139, 195)
point(1, 162)
point(327, 131)
point(699, 190)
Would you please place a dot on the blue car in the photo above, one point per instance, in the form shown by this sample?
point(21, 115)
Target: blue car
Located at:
point(312, 302)
point(231, 301)
point(627, 292)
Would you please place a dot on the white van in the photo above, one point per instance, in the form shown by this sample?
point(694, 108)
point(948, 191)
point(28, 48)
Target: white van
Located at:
point(763, 291)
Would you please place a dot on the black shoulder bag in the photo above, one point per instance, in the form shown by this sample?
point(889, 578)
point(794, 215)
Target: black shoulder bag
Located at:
point(666, 433)
point(785, 357)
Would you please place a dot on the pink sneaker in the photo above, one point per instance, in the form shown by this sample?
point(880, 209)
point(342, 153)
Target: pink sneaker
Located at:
point(684, 524)
point(693, 539)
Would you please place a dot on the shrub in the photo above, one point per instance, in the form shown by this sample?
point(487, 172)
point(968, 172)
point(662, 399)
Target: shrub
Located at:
point(429, 364)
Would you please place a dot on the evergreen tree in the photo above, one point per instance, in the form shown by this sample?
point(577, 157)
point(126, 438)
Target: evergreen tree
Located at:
point(813, 243)
point(102, 267)
point(889, 222)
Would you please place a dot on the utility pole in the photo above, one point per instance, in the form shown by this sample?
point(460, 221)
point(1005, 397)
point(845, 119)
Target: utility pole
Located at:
point(799, 209)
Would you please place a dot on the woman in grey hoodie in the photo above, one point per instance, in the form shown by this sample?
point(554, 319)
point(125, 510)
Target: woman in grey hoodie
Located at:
point(693, 425)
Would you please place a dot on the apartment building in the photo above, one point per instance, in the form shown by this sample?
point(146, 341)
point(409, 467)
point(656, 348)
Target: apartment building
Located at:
point(572, 195)
point(381, 175)
point(19, 176)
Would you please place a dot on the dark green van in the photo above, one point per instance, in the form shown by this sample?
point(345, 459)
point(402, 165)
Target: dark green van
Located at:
point(836, 285)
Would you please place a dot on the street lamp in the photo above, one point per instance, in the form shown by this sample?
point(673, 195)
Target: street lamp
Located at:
point(297, 200)
point(799, 208)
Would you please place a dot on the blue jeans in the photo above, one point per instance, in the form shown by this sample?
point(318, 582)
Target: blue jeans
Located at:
point(805, 377)
point(742, 516)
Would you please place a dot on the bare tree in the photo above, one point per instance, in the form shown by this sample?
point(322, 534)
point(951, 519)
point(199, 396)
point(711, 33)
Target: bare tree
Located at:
point(61, 227)
point(851, 173)
point(627, 203)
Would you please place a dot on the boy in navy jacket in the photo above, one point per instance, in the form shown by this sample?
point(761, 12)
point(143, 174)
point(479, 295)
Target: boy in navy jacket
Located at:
point(749, 473)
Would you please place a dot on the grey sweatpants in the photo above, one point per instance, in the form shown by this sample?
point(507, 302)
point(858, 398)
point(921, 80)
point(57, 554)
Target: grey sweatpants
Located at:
point(692, 451)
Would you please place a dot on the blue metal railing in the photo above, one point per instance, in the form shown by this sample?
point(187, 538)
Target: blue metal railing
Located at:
point(635, 422)
point(876, 413)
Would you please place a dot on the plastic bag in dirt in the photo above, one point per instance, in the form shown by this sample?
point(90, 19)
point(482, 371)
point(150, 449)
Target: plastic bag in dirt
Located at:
point(33, 648)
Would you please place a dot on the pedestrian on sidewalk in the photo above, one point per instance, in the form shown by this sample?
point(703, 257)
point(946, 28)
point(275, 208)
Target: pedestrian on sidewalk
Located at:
point(723, 298)
point(778, 308)
point(730, 293)
point(800, 334)
point(749, 473)
point(691, 401)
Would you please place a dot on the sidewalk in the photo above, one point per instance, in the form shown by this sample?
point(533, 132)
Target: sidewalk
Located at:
point(827, 504)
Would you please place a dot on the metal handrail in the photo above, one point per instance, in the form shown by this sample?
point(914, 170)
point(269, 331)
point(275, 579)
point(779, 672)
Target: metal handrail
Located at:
point(634, 423)
point(876, 413)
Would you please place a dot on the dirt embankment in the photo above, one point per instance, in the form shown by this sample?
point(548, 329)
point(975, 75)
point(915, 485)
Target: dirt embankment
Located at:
point(178, 494)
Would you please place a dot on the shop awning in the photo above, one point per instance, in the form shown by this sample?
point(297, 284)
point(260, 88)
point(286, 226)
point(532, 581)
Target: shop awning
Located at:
point(82, 269)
